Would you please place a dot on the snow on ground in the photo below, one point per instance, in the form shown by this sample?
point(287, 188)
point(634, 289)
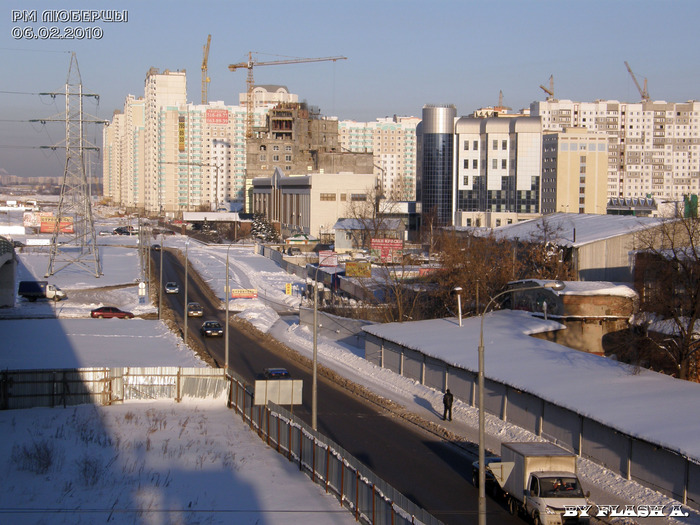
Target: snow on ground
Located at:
point(248, 270)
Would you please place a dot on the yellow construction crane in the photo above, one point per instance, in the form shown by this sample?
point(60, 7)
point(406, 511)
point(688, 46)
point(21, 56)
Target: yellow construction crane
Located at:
point(250, 83)
point(549, 91)
point(205, 68)
point(642, 92)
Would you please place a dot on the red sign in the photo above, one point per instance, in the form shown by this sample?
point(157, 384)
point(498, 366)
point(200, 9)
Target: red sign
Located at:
point(388, 250)
point(217, 116)
point(327, 258)
point(244, 293)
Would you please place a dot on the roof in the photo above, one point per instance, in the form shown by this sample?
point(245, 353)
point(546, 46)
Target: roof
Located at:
point(575, 229)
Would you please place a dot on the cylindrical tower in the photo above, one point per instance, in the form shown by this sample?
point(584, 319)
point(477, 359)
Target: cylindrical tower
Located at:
point(435, 164)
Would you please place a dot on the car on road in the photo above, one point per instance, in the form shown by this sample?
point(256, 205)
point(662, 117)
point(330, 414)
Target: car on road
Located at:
point(276, 373)
point(194, 310)
point(104, 233)
point(491, 483)
point(155, 247)
point(172, 287)
point(212, 329)
point(110, 312)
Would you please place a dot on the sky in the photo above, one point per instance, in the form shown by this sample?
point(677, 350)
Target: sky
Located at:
point(401, 55)
point(74, 337)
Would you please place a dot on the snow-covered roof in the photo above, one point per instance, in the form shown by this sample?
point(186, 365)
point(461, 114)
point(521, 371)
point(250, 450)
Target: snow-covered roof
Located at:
point(612, 393)
point(575, 229)
point(360, 224)
point(588, 288)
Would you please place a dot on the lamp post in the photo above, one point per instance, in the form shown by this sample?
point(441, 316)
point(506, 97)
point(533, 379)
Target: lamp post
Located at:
point(554, 285)
point(187, 244)
point(160, 290)
point(314, 375)
point(228, 298)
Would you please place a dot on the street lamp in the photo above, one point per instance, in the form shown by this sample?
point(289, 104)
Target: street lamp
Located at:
point(187, 244)
point(160, 290)
point(314, 375)
point(554, 285)
point(228, 298)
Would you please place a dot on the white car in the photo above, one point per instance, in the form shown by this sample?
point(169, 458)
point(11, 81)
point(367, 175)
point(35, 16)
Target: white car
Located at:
point(172, 287)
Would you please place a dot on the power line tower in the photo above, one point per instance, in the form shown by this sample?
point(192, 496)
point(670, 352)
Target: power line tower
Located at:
point(74, 221)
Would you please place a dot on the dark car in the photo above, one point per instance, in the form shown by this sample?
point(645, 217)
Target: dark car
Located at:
point(109, 312)
point(276, 373)
point(491, 483)
point(155, 247)
point(212, 329)
point(194, 310)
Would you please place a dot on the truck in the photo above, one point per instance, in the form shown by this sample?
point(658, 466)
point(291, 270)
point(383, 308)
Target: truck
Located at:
point(539, 481)
point(33, 290)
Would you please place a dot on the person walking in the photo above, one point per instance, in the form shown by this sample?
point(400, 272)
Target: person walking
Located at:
point(447, 402)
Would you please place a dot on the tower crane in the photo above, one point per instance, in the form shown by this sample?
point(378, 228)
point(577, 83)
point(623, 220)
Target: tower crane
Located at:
point(205, 68)
point(549, 91)
point(642, 92)
point(250, 84)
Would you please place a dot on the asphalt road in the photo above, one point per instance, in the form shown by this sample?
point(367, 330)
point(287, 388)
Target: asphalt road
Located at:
point(430, 471)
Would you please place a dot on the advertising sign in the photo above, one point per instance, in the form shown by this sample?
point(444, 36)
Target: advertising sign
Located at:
point(387, 250)
point(243, 293)
point(217, 116)
point(48, 224)
point(327, 258)
point(358, 269)
point(181, 134)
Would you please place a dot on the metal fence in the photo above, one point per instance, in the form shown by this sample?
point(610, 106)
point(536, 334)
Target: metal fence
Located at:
point(357, 488)
point(104, 386)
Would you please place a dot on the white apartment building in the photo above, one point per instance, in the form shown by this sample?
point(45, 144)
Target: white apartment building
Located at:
point(393, 144)
point(653, 147)
point(165, 156)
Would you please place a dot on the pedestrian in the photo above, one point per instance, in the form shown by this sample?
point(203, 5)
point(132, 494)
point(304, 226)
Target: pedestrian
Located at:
point(447, 401)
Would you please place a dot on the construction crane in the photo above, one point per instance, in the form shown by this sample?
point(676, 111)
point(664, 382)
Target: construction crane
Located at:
point(251, 83)
point(549, 91)
point(205, 68)
point(642, 92)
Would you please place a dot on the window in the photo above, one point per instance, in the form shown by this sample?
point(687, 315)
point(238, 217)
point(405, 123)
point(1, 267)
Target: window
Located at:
point(475, 145)
point(358, 197)
point(466, 164)
point(495, 144)
point(504, 144)
point(466, 145)
point(475, 164)
point(288, 158)
point(504, 164)
point(343, 196)
point(327, 196)
point(275, 158)
point(263, 157)
point(494, 163)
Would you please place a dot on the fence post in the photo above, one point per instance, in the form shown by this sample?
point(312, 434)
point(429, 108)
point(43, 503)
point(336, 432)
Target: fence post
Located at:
point(267, 416)
point(357, 495)
point(342, 481)
point(301, 446)
point(374, 517)
point(328, 460)
point(313, 460)
point(178, 384)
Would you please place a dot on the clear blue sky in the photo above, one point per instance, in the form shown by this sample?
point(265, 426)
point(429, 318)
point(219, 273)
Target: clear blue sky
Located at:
point(401, 56)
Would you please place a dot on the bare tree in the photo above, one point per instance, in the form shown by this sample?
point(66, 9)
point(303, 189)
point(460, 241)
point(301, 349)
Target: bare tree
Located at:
point(668, 283)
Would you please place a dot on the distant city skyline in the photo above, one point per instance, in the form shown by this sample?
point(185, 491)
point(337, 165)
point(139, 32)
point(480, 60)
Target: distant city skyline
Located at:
point(401, 56)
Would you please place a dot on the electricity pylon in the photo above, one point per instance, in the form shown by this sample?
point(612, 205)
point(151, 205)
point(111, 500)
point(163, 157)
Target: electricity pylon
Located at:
point(77, 243)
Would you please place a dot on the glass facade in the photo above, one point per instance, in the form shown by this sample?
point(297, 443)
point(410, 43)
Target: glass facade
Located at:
point(436, 181)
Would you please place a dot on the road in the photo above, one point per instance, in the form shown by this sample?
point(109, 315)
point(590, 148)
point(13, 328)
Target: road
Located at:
point(430, 471)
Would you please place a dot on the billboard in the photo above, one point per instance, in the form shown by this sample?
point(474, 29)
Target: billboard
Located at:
point(244, 293)
point(358, 269)
point(387, 250)
point(48, 224)
point(327, 258)
point(181, 134)
point(217, 116)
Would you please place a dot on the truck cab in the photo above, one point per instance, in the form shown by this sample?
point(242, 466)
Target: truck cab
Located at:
point(550, 493)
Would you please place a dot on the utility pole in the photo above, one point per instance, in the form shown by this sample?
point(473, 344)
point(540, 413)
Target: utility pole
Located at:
point(74, 222)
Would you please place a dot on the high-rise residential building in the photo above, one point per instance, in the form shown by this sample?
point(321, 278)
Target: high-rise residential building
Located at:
point(653, 147)
point(392, 141)
point(435, 154)
point(497, 171)
point(574, 171)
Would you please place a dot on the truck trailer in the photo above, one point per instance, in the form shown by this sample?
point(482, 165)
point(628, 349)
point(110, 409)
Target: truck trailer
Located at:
point(539, 481)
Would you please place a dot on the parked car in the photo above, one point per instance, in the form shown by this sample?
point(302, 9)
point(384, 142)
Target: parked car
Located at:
point(172, 287)
point(33, 290)
point(276, 373)
point(109, 312)
point(155, 247)
point(491, 484)
point(212, 329)
point(194, 310)
point(293, 250)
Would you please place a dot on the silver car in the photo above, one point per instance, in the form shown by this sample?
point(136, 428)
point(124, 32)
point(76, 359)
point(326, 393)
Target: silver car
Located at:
point(172, 287)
